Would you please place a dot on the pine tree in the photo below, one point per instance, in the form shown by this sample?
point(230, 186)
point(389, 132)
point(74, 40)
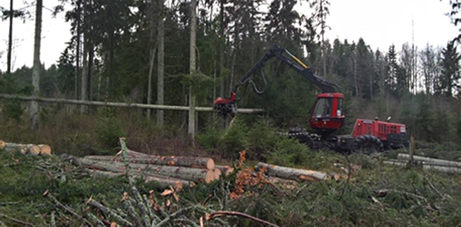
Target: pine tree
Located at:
point(450, 76)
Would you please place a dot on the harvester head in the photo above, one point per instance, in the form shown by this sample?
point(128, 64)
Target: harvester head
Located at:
point(226, 106)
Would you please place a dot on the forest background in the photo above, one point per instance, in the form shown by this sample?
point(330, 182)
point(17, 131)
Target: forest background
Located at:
point(138, 52)
point(168, 53)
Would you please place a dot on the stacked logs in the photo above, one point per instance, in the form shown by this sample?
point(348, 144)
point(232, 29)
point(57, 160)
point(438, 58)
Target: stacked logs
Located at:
point(165, 170)
point(34, 149)
point(440, 165)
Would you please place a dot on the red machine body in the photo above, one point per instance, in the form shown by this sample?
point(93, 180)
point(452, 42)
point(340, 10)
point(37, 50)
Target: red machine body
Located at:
point(391, 134)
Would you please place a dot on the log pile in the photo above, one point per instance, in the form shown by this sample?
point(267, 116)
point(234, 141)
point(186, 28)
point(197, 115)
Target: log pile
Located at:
point(165, 170)
point(439, 165)
point(34, 149)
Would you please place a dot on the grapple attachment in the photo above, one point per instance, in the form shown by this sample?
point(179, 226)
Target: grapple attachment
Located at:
point(226, 106)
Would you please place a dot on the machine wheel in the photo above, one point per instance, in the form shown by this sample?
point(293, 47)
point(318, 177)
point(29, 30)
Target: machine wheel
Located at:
point(368, 144)
point(311, 140)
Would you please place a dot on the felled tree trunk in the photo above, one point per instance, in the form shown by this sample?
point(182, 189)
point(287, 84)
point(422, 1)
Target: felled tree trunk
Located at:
point(2, 145)
point(425, 165)
point(191, 174)
point(44, 149)
point(132, 154)
point(162, 182)
point(41, 149)
point(23, 148)
point(294, 174)
point(186, 173)
point(430, 161)
point(194, 162)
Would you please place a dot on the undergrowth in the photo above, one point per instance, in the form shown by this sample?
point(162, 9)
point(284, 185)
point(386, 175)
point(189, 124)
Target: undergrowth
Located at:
point(369, 193)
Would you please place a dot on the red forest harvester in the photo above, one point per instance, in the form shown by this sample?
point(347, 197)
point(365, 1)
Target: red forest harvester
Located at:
point(326, 116)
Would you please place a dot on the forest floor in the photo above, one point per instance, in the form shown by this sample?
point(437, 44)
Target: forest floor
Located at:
point(372, 194)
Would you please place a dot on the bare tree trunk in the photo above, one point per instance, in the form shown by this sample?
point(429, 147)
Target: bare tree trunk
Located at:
point(84, 77)
point(160, 67)
point(10, 39)
point(90, 60)
point(77, 51)
point(192, 66)
point(34, 108)
point(152, 57)
point(90, 70)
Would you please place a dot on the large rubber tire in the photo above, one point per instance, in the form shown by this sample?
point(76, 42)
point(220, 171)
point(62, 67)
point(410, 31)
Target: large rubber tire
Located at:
point(311, 140)
point(368, 144)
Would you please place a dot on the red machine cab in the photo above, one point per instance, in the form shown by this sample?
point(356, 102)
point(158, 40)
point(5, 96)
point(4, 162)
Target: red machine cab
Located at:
point(327, 114)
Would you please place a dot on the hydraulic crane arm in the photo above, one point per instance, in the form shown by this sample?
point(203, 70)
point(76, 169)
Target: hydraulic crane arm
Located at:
point(326, 116)
point(291, 60)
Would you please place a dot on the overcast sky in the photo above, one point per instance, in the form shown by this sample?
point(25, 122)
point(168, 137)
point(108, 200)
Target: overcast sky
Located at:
point(379, 22)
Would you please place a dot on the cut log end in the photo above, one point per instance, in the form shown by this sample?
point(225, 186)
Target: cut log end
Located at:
point(45, 149)
point(34, 150)
point(2, 145)
point(226, 170)
point(209, 177)
point(210, 164)
point(216, 174)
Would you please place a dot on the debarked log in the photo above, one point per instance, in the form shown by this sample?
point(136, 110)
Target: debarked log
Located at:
point(140, 158)
point(293, 173)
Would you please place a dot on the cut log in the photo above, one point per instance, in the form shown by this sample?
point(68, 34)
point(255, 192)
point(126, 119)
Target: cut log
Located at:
point(294, 174)
point(194, 162)
point(216, 174)
point(431, 161)
point(2, 144)
point(132, 154)
point(186, 173)
point(278, 180)
point(162, 182)
point(191, 174)
point(33, 149)
point(443, 169)
point(44, 149)
point(23, 148)
point(226, 170)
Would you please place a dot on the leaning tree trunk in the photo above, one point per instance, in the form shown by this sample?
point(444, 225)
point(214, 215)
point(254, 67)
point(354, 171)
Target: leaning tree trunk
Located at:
point(34, 108)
